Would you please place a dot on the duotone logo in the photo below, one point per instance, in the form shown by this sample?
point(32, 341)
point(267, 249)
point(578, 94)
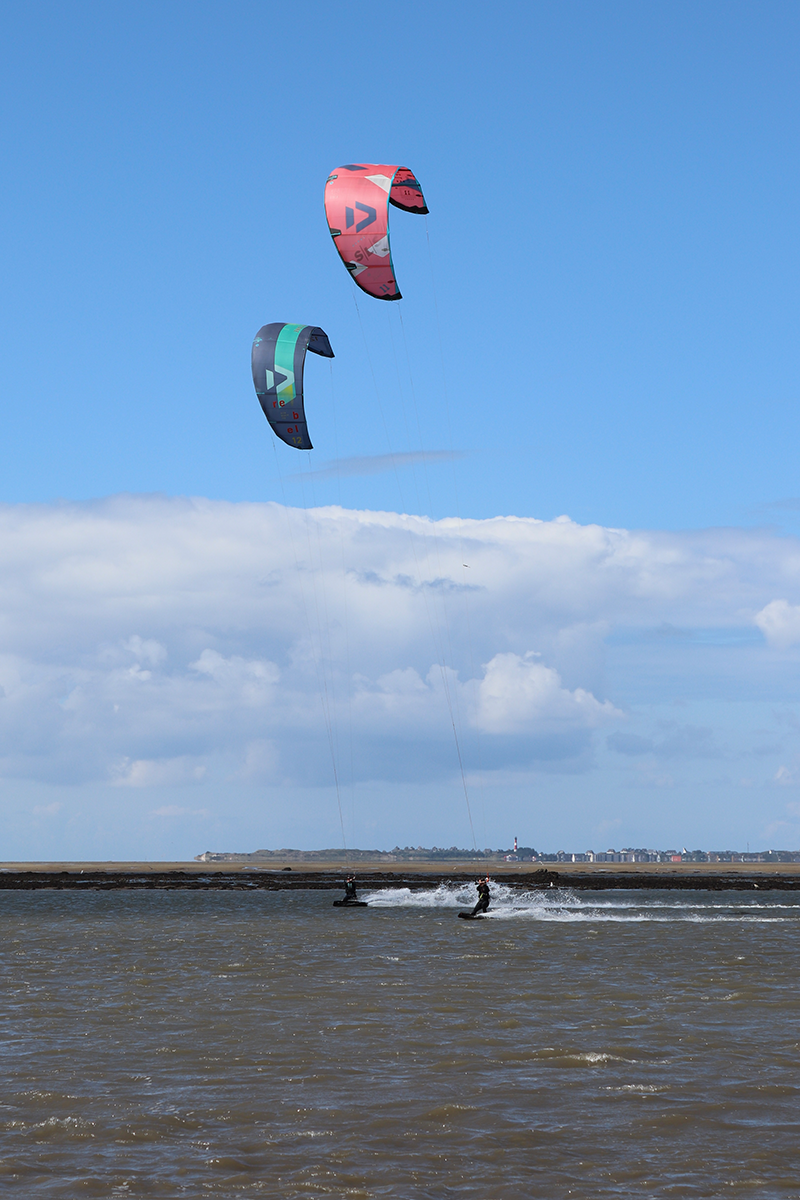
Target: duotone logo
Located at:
point(276, 380)
point(350, 216)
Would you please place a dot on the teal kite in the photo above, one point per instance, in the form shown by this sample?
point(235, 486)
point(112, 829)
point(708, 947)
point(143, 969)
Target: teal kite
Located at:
point(279, 354)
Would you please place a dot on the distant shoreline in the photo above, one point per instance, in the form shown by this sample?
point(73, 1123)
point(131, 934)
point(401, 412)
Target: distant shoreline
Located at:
point(169, 876)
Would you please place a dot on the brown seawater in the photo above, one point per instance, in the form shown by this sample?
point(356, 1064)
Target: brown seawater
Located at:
point(266, 1044)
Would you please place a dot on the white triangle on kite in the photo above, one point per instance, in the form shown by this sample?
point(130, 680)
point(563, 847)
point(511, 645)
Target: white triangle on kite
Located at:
point(382, 181)
point(381, 248)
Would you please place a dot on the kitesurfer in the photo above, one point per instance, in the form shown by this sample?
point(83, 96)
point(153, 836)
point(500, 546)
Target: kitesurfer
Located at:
point(484, 896)
point(350, 889)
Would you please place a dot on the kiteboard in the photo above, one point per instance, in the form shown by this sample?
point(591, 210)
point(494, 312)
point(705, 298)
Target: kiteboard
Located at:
point(471, 916)
point(350, 904)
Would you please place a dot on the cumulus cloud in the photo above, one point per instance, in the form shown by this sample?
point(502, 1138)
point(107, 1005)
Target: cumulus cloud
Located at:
point(146, 650)
point(518, 694)
point(149, 642)
point(779, 621)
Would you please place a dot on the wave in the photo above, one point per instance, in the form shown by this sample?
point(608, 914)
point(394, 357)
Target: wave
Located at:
point(562, 905)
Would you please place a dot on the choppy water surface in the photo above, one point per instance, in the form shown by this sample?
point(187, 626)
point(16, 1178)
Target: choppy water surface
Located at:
point(266, 1044)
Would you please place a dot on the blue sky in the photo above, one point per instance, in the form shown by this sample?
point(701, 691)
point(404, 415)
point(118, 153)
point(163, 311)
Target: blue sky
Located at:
point(599, 321)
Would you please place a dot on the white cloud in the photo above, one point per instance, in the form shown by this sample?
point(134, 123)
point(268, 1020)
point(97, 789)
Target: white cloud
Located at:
point(156, 642)
point(250, 681)
point(518, 694)
point(779, 621)
point(145, 649)
point(153, 772)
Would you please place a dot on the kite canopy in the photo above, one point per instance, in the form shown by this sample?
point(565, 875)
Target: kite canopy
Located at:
point(357, 199)
point(279, 355)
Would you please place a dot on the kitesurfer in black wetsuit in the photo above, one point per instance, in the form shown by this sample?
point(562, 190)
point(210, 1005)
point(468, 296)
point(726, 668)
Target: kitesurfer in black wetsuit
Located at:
point(484, 896)
point(350, 889)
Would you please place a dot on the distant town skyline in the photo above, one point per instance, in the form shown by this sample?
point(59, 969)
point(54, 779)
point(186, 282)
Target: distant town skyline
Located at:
point(522, 854)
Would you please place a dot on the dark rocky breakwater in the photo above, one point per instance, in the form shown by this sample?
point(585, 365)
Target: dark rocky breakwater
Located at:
point(293, 880)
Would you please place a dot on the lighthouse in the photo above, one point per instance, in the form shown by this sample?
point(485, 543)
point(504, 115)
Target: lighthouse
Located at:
point(515, 845)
